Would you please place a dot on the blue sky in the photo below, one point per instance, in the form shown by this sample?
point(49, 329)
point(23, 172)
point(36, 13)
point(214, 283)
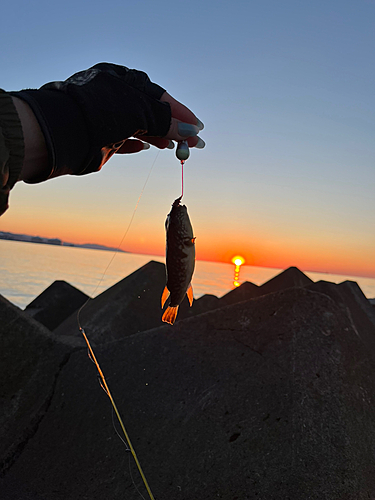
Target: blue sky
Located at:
point(286, 91)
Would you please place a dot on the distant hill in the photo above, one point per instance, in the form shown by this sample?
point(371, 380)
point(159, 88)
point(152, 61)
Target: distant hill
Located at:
point(52, 241)
point(94, 246)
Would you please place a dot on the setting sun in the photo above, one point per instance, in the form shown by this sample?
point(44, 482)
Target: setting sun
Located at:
point(238, 260)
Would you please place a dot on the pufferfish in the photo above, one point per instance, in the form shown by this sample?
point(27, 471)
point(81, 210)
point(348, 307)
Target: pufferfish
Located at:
point(180, 260)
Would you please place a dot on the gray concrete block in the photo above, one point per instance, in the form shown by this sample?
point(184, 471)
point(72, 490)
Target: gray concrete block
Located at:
point(266, 399)
point(55, 304)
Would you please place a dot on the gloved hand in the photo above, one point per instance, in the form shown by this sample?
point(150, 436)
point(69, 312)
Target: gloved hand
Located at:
point(89, 117)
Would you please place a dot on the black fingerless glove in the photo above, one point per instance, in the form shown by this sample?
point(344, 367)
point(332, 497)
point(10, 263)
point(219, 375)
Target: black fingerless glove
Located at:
point(85, 117)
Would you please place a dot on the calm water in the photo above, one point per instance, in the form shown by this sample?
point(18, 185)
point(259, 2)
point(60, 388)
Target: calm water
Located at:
point(26, 269)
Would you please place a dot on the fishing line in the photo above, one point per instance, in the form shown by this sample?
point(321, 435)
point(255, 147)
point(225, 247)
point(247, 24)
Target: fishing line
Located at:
point(121, 242)
point(182, 178)
point(108, 392)
point(182, 154)
point(127, 449)
point(92, 356)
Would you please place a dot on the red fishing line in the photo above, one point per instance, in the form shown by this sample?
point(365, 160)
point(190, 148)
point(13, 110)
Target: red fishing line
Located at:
point(182, 178)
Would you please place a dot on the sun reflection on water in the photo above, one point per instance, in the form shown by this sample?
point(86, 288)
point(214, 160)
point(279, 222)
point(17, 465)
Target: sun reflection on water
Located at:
point(237, 261)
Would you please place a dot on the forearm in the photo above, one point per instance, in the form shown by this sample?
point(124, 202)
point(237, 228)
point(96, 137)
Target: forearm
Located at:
point(11, 148)
point(36, 156)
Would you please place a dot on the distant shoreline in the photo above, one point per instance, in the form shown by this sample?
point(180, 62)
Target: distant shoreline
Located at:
point(93, 246)
point(26, 238)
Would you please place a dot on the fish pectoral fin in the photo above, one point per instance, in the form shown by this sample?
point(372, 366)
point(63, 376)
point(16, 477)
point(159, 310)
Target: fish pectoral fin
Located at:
point(189, 242)
point(170, 315)
point(190, 295)
point(164, 296)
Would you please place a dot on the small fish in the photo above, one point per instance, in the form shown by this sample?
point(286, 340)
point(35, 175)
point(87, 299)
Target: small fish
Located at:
point(180, 260)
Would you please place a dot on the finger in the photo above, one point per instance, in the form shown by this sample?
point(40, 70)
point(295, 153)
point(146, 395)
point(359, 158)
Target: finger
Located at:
point(181, 131)
point(193, 142)
point(159, 142)
point(132, 146)
point(181, 112)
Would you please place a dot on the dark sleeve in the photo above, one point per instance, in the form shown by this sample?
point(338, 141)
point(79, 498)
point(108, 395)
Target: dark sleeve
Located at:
point(87, 115)
point(12, 148)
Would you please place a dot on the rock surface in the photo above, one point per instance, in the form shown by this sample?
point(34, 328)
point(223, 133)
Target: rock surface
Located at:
point(31, 358)
point(286, 279)
point(271, 398)
point(245, 291)
point(56, 303)
point(205, 303)
point(130, 306)
point(352, 302)
point(291, 277)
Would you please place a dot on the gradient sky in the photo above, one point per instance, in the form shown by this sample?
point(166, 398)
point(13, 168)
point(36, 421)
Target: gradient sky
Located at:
point(286, 92)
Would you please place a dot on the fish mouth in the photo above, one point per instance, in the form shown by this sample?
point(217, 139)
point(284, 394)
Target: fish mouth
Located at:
point(176, 203)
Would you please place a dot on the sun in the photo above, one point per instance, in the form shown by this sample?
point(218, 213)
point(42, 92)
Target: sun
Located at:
point(238, 260)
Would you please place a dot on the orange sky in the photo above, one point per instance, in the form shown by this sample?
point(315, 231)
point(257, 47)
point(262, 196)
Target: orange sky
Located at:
point(307, 253)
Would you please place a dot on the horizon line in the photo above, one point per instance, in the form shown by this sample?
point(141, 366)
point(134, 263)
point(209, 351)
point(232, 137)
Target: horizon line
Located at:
point(120, 250)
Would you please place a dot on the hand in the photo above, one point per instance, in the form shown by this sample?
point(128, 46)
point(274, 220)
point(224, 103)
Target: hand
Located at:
point(104, 110)
point(180, 114)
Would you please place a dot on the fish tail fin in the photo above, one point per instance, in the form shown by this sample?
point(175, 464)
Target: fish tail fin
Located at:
point(170, 315)
point(189, 294)
point(164, 296)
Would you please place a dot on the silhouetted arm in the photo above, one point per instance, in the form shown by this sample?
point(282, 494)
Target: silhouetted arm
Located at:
point(35, 155)
point(75, 126)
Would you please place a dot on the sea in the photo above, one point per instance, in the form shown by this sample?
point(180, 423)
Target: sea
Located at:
point(27, 269)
